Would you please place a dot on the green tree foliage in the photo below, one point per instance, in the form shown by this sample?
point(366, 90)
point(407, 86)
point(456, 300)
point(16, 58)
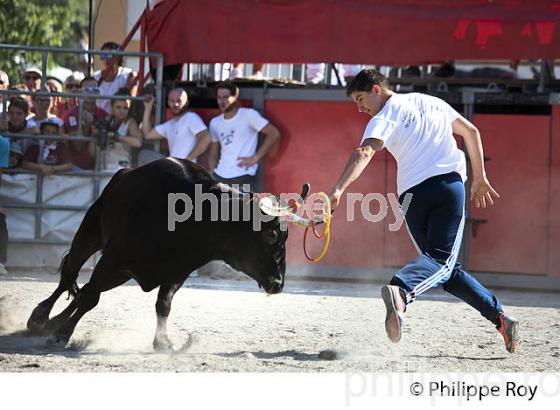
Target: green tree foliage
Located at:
point(45, 23)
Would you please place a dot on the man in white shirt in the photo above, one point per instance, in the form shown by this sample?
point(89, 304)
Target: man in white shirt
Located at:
point(234, 156)
point(186, 133)
point(418, 131)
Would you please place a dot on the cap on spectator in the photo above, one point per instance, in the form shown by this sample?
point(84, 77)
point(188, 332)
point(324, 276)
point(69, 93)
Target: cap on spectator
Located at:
point(49, 121)
point(33, 70)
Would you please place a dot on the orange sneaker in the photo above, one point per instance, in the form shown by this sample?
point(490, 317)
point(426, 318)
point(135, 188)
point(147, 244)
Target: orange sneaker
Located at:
point(509, 328)
point(395, 305)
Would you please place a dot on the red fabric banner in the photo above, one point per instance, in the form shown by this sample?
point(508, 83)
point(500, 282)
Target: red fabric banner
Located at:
point(396, 32)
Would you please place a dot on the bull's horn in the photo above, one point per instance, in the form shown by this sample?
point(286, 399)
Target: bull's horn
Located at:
point(269, 205)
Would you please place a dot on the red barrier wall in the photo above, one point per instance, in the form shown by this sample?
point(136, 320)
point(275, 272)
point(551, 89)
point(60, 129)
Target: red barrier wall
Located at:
point(523, 230)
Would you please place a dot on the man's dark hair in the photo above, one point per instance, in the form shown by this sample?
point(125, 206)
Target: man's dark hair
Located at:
point(228, 85)
point(20, 103)
point(111, 45)
point(365, 80)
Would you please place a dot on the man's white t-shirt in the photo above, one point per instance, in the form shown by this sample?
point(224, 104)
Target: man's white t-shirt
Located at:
point(416, 129)
point(181, 133)
point(238, 137)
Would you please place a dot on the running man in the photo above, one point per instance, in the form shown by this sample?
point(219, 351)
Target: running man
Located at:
point(418, 130)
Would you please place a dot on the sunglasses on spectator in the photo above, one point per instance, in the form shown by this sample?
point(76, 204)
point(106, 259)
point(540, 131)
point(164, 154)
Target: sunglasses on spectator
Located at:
point(106, 56)
point(31, 77)
point(91, 90)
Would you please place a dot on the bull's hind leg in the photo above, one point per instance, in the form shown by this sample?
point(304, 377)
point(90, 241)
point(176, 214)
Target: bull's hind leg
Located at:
point(163, 307)
point(86, 241)
point(104, 277)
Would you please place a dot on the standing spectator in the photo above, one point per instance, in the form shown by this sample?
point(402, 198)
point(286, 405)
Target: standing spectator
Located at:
point(83, 152)
point(54, 86)
point(71, 85)
point(186, 134)
point(4, 84)
point(114, 76)
point(44, 111)
point(32, 79)
point(55, 156)
point(123, 133)
point(234, 155)
point(16, 121)
point(315, 73)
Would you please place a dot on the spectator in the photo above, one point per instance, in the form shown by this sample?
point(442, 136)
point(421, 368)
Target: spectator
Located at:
point(43, 111)
point(234, 156)
point(236, 71)
point(114, 76)
point(55, 156)
point(83, 152)
point(315, 73)
point(71, 85)
point(21, 87)
point(4, 84)
point(32, 78)
point(186, 134)
point(123, 133)
point(16, 121)
point(54, 86)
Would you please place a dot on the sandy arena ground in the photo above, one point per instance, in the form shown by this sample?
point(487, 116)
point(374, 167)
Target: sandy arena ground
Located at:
point(234, 327)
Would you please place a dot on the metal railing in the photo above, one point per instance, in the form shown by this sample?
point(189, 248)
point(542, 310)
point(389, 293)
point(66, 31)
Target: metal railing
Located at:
point(97, 174)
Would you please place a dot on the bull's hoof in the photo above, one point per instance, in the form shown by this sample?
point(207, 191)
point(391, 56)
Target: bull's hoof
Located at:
point(163, 345)
point(55, 341)
point(37, 320)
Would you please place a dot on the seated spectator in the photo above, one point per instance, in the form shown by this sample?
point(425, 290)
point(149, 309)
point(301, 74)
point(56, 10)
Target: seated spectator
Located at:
point(122, 134)
point(71, 85)
point(4, 84)
point(43, 111)
point(53, 158)
point(114, 76)
point(83, 152)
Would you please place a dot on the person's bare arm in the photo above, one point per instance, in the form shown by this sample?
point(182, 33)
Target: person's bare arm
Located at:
point(213, 155)
point(148, 131)
point(134, 137)
point(271, 137)
point(481, 191)
point(203, 141)
point(356, 164)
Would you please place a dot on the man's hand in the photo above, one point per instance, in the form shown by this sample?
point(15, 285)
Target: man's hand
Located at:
point(246, 162)
point(149, 102)
point(334, 197)
point(482, 193)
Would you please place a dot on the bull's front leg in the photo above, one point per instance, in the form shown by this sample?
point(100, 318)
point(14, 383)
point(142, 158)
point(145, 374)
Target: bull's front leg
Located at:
point(163, 307)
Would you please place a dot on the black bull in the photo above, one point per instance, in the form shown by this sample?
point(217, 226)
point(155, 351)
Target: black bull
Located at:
point(129, 224)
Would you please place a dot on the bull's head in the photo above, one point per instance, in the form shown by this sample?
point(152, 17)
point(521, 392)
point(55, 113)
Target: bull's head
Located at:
point(272, 239)
point(266, 260)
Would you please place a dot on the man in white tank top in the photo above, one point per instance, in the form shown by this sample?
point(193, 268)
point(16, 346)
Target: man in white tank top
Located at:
point(431, 170)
